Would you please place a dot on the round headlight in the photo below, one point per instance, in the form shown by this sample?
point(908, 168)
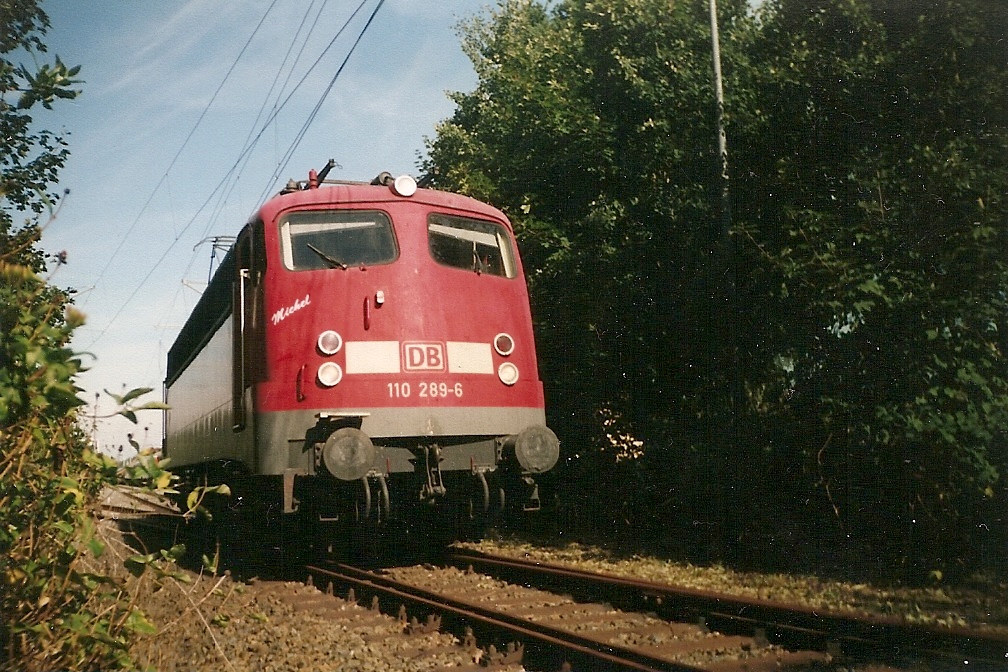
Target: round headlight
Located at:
point(329, 342)
point(404, 185)
point(330, 374)
point(503, 344)
point(508, 373)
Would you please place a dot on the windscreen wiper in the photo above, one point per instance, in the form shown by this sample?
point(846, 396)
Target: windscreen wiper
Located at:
point(477, 264)
point(332, 261)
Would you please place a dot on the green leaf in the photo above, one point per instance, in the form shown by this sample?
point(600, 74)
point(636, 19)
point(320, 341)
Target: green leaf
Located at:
point(115, 397)
point(152, 406)
point(138, 564)
point(138, 623)
point(96, 546)
point(163, 480)
point(222, 489)
point(174, 553)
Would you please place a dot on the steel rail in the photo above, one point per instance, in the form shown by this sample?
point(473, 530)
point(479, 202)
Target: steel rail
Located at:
point(124, 513)
point(785, 624)
point(148, 504)
point(540, 641)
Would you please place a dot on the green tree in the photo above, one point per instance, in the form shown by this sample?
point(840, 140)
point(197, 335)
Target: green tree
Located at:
point(871, 220)
point(584, 124)
point(868, 166)
point(30, 158)
point(593, 127)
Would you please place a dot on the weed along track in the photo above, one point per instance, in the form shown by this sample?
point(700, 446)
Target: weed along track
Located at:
point(124, 502)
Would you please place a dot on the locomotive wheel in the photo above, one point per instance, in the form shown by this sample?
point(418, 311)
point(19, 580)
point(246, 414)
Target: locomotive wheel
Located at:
point(476, 509)
point(363, 502)
point(371, 509)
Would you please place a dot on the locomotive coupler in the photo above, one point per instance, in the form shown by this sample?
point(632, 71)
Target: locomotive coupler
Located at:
point(434, 488)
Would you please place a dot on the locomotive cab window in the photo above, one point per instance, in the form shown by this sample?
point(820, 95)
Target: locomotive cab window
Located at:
point(471, 244)
point(337, 239)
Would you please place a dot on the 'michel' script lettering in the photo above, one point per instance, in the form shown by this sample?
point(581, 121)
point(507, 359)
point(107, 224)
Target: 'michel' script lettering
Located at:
point(282, 314)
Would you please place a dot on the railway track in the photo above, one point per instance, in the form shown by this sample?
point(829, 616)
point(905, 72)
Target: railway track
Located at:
point(546, 631)
point(594, 621)
point(844, 636)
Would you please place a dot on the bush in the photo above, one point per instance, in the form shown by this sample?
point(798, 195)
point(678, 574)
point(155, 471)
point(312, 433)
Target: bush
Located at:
point(56, 615)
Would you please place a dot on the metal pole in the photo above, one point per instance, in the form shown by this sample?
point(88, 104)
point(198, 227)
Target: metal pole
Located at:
point(726, 346)
point(719, 100)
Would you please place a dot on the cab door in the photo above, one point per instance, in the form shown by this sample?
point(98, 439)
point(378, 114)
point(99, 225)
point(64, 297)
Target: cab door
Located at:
point(246, 339)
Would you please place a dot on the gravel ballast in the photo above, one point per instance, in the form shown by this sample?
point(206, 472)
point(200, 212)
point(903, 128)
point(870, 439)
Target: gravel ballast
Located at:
point(208, 622)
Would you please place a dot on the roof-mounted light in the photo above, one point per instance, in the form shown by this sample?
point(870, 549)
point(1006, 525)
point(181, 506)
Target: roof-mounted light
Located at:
point(404, 185)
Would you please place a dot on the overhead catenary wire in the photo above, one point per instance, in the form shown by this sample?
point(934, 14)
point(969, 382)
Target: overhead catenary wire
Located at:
point(249, 145)
point(311, 117)
point(178, 153)
point(296, 39)
point(245, 151)
point(252, 137)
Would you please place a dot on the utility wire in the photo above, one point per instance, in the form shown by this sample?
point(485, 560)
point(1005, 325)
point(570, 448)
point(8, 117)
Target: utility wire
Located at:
point(192, 131)
point(249, 146)
point(321, 100)
point(249, 141)
point(245, 155)
point(269, 94)
point(245, 151)
point(253, 126)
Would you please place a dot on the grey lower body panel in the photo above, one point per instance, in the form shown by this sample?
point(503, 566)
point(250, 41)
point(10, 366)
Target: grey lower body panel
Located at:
point(281, 435)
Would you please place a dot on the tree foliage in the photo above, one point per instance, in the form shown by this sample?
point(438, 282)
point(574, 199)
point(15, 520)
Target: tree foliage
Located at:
point(874, 222)
point(56, 614)
point(31, 157)
point(863, 293)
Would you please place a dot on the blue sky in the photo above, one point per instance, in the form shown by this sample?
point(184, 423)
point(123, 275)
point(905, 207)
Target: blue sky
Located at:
point(159, 162)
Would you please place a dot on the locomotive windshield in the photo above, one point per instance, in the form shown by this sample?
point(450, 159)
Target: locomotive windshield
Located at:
point(337, 239)
point(471, 244)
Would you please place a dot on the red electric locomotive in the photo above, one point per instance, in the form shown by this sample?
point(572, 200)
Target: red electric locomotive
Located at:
point(364, 354)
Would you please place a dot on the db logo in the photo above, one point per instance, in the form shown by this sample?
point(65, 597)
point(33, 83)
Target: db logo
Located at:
point(424, 356)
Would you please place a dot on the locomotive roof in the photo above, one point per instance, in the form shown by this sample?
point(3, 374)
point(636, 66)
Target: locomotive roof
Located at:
point(341, 193)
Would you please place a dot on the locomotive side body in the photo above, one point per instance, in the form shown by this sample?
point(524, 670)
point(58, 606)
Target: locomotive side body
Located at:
point(365, 351)
point(201, 421)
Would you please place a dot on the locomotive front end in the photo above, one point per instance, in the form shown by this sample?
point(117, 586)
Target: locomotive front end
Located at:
point(401, 380)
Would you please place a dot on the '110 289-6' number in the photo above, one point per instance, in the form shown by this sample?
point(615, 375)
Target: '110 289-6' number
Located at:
point(426, 390)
